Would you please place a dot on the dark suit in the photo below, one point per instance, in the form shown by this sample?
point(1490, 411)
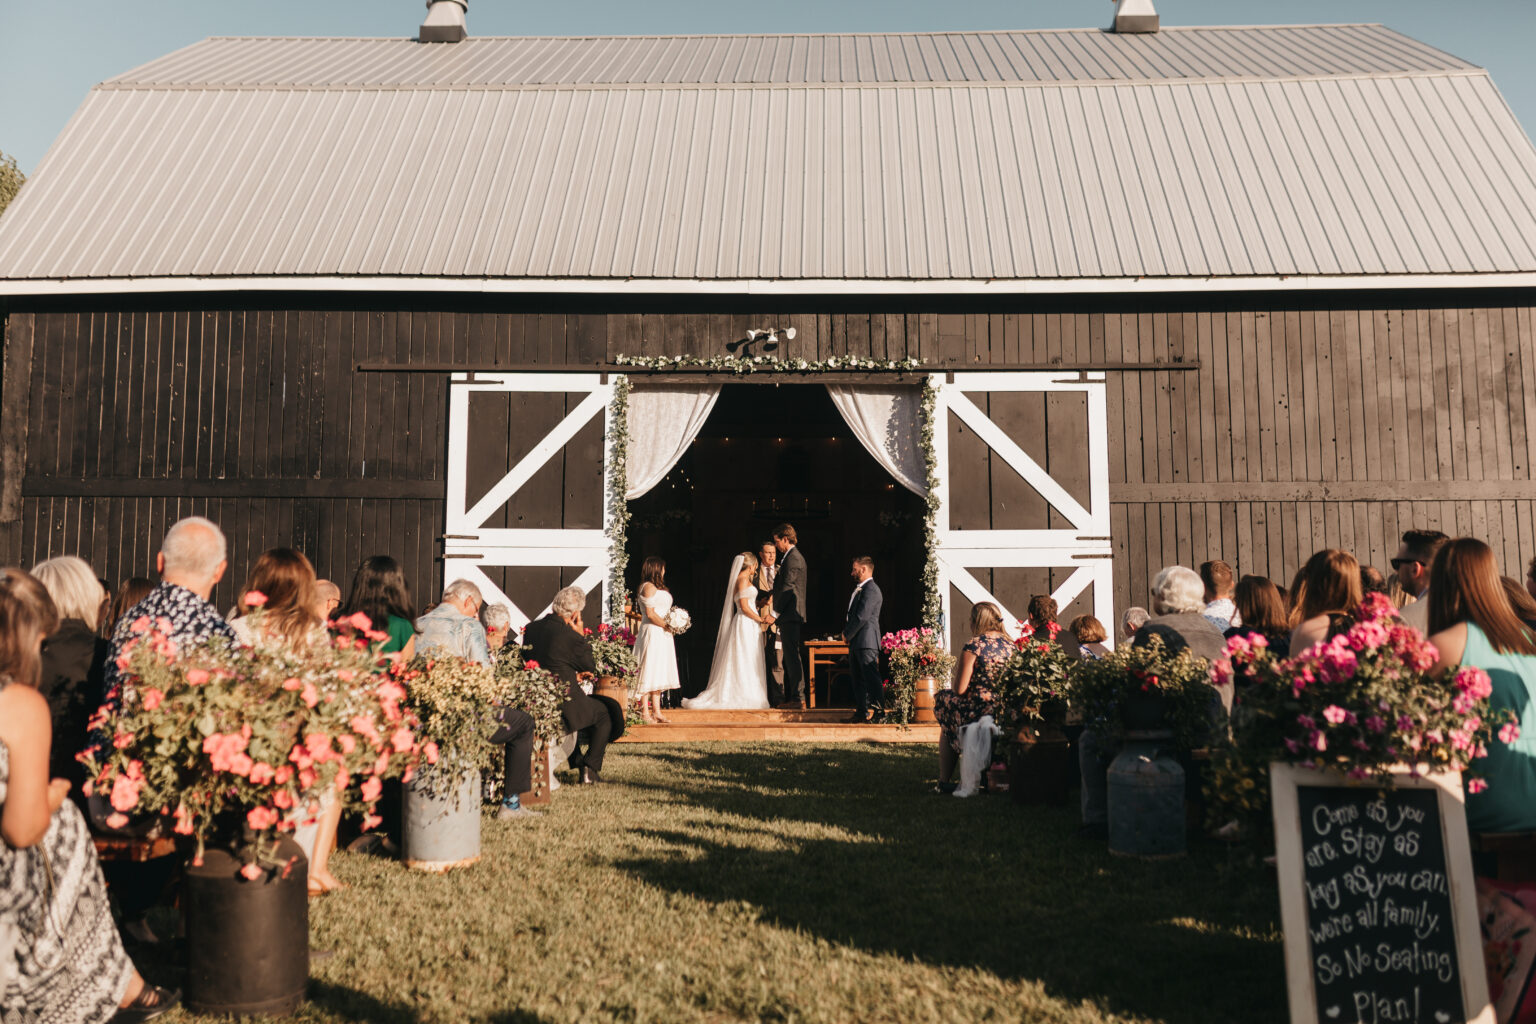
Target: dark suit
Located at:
point(789, 610)
point(863, 635)
point(560, 649)
point(775, 664)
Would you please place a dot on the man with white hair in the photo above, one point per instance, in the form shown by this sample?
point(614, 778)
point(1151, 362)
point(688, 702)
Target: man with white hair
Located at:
point(557, 642)
point(453, 629)
point(497, 620)
point(1134, 618)
point(1178, 616)
point(192, 559)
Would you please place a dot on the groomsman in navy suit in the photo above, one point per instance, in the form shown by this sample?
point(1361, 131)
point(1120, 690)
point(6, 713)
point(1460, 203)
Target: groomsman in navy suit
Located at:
point(862, 635)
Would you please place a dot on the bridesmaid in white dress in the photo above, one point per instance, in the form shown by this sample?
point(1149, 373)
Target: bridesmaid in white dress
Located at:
point(655, 649)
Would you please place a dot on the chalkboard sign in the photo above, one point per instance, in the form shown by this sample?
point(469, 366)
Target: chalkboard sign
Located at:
point(1377, 900)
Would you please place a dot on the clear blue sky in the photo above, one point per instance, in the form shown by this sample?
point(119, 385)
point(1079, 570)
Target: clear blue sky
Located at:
point(53, 51)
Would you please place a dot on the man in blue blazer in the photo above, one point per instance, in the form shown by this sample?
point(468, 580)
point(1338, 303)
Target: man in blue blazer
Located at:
point(862, 635)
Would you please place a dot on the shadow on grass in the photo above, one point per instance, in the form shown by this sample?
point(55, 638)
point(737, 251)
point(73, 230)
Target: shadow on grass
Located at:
point(875, 861)
point(350, 1004)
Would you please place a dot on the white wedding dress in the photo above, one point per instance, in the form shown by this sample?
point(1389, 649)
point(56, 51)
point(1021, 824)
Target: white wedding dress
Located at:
point(738, 675)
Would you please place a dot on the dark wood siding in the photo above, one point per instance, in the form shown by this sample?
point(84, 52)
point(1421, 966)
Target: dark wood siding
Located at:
point(1338, 422)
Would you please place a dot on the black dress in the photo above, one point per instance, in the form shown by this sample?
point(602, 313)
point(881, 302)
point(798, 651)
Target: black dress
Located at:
point(73, 660)
point(957, 710)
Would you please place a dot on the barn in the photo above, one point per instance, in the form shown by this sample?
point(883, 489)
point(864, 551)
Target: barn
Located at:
point(1013, 312)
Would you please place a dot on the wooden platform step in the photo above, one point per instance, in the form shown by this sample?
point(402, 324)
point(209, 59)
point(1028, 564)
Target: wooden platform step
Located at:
point(824, 725)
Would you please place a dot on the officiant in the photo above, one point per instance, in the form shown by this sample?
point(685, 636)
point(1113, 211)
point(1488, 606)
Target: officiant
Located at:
point(767, 570)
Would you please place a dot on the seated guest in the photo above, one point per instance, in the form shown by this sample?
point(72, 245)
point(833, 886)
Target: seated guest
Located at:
point(453, 629)
point(380, 592)
point(1262, 612)
point(1042, 619)
point(63, 958)
point(1133, 619)
point(289, 621)
point(73, 661)
point(133, 590)
point(1520, 600)
point(327, 599)
point(1472, 623)
point(1414, 557)
point(1330, 597)
point(497, 619)
point(1178, 616)
point(1090, 635)
point(191, 560)
point(557, 642)
point(982, 658)
point(1218, 579)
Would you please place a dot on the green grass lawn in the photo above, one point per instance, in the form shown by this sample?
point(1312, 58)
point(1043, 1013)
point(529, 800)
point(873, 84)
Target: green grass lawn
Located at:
point(789, 882)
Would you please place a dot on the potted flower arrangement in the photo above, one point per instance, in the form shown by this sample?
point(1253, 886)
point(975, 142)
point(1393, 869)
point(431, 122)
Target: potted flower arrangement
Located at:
point(613, 649)
point(920, 667)
point(1362, 704)
point(1157, 708)
point(1030, 693)
point(453, 699)
point(540, 693)
point(236, 747)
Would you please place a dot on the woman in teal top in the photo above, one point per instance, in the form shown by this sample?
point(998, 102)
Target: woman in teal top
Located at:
point(380, 592)
point(1471, 622)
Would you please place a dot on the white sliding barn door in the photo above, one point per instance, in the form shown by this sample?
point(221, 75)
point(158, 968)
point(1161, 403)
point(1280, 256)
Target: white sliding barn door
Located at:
point(527, 481)
point(1023, 468)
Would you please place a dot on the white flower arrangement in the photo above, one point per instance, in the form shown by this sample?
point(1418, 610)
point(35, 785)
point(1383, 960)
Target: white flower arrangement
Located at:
point(678, 621)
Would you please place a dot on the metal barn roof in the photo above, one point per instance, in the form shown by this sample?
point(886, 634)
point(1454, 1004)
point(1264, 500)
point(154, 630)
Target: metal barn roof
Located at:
point(1047, 159)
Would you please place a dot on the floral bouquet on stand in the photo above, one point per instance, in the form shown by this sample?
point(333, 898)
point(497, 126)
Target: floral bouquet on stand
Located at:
point(914, 654)
point(1361, 704)
point(540, 694)
point(613, 648)
point(237, 745)
point(1145, 689)
point(679, 621)
point(1032, 687)
point(454, 700)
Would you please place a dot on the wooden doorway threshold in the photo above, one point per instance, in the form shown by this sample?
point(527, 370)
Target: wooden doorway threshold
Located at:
point(820, 726)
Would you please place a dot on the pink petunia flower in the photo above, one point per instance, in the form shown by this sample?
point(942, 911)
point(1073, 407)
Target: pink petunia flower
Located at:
point(1476, 785)
point(1509, 732)
point(116, 820)
point(1334, 714)
point(250, 873)
point(150, 698)
point(261, 818)
point(197, 676)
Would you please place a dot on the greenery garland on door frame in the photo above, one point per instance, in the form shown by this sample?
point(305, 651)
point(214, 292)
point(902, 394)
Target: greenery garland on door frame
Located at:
point(618, 504)
point(618, 442)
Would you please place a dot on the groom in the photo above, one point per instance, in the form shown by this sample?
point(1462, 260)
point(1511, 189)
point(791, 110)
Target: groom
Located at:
point(789, 613)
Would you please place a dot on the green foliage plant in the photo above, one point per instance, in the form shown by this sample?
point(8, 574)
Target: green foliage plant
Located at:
point(1033, 683)
point(1106, 689)
point(11, 180)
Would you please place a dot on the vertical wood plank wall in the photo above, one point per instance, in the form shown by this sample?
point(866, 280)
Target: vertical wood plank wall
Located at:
point(1306, 426)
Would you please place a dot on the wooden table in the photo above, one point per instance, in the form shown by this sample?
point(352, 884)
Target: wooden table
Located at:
point(822, 654)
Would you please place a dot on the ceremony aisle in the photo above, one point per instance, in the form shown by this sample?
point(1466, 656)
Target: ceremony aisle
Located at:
point(796, 883)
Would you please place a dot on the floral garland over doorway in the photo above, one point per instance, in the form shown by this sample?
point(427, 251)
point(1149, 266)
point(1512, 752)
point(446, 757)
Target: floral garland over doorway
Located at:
point(618, 446)
point(618, 505)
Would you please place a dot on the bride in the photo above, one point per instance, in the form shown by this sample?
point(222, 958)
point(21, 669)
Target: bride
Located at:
point(738, 675)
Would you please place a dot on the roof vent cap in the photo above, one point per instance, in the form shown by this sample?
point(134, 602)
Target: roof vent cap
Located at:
point(445, 21)
point(1132, 16)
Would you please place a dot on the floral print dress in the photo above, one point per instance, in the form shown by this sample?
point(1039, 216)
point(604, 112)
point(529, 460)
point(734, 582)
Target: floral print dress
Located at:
point(957, 710)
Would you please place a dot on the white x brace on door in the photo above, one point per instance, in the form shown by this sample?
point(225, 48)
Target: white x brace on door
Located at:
point(469, 544)
point(1084, 546)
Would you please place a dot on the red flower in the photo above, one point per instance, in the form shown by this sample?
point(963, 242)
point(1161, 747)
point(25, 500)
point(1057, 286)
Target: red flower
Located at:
point(255, 598)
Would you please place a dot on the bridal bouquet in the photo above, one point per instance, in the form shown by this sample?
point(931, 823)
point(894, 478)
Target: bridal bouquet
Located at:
point(678, 621)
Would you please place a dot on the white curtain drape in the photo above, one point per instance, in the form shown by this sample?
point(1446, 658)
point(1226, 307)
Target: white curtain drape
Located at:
point(663, 421)
point(887, 422)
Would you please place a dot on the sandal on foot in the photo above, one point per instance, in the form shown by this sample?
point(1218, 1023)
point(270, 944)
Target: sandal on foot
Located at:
point(150, 1003)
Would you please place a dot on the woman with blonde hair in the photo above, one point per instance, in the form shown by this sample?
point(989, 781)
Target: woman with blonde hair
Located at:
point(64, 960)
point(1328, 596)
point(73, 660)
point(981, 661)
